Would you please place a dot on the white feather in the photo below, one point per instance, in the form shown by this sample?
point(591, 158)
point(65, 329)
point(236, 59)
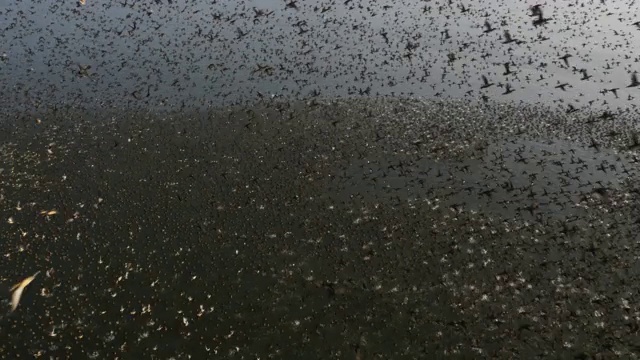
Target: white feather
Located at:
point(15, 298)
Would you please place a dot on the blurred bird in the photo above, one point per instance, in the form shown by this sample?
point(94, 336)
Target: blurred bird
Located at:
point(487, 27)
point(18, 289)
point(485, 82)
point(565, 58)
point(634, 80)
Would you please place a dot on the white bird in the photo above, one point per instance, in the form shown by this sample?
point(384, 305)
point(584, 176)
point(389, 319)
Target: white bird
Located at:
point(18, 289)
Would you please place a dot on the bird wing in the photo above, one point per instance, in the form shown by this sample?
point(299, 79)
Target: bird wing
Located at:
point(19, 288)
point(15, 297)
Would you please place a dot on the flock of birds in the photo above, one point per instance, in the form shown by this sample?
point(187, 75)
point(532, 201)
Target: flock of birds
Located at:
point(175, 53)
point(572, 56)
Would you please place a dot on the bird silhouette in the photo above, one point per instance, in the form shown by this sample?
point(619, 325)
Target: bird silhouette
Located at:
point(487, 27)
point(614, 91)
point(634, 80)
point(565, 58)
point(536, 10)
point(571, 109)
point(485, 82)
point(507, 37)
point(508, 89)
point(507, 70)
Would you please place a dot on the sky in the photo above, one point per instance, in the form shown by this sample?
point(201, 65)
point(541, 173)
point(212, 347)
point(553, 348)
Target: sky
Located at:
point(169, 54)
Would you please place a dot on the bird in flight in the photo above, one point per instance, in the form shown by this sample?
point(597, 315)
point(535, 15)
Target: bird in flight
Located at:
point(634, 80)
point(486, 82)
point(507, 71)
point(536, 10)
point(18, 289)
point(508, 90)
point(507, 37)
point(487, 27)
point(614, 91)
point(571, 109)
point(565, 58)
point(584, 74)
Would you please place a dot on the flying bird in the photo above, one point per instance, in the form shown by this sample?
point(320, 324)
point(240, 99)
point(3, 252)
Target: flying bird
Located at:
point(486, 82)
point(584, 74)
point(18, 289)
point(535, 10)
point(507, 70)
point(571, 109)
point(507, 37)
point(487, 27)
point(634, 80)
point(565, 58)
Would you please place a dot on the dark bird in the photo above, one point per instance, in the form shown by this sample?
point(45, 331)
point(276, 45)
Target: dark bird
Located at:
point(562, 86)
point(606, 115)
point(634, 80)
point(507, 70)
point(614, 91)
point(508, 89)
point(565, 58)
point(584, 74)
point(571, 109)
point(486, 82)
point(487, 27)
point(507, 37)
point(83, 70)
point(259, 13)
point(536, 10)
point(292, 5)
point(635, 141)
point(265, 69)
point(240, 33)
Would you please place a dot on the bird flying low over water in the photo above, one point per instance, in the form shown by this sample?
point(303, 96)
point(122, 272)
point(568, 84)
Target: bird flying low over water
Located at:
point(487, 27)
point(485, 82)
point(536, 11)
point(565, 58)
point(18, 289)
point(571, 109)
point(634, 80)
